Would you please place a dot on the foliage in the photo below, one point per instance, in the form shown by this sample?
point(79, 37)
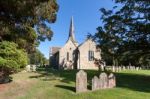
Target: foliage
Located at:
point(125, 34)
point(11, 58)
point(37, 58)
point(20, 18)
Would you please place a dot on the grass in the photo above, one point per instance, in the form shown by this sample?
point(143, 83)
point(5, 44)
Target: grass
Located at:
point(50, 84)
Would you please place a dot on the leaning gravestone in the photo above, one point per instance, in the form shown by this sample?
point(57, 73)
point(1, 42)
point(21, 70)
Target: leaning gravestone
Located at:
point(81, 81)
point(111, 81)
point(103, 81)
point(95, 83)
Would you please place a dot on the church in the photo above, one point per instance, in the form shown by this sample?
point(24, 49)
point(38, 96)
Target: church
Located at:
point(73, 55)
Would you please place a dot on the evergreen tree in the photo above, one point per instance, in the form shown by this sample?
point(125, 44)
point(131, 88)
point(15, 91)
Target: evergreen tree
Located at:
point(125, 35)
point(19, 18)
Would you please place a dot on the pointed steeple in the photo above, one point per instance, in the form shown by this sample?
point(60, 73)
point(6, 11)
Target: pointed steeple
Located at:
point(71, 31)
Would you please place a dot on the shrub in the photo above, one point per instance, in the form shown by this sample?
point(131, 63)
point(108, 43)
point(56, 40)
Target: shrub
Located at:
point(12, 59)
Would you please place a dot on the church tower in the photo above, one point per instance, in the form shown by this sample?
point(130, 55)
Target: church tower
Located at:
point(71, 32)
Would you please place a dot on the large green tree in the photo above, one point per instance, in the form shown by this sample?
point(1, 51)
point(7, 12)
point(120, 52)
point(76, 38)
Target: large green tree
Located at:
point(125, 34)
point(20, 18)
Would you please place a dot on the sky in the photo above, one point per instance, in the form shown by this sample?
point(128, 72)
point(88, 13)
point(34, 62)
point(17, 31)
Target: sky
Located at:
point(86, 17)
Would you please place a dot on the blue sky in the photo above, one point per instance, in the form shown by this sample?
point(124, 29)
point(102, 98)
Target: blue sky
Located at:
point(86, 19)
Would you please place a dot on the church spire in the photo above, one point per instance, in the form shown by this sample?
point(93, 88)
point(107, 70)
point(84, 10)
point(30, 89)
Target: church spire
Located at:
point(71, 31)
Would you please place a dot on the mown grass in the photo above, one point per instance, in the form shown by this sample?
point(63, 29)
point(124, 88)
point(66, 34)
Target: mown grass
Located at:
point(51, 84)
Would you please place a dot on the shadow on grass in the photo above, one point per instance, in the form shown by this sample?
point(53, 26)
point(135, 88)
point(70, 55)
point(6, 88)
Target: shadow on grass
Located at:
point(6, 80)
point(135, 82)
point(37, 76)
point(66, 87)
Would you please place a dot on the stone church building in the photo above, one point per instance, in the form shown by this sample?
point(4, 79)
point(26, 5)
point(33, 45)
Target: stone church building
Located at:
point(73, 55)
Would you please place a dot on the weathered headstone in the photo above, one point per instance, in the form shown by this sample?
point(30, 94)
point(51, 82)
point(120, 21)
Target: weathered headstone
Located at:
point(119, 68)
point(132, 68)
point(137, 68)
point(111, 81)
point(124, 68)
point(34, 68)
point(128, 67)
point(81, 81)
point(113, 68)
point(95, 83)
point(28, 68)
point(116, 69)
point(102, 67)
point(103, 81)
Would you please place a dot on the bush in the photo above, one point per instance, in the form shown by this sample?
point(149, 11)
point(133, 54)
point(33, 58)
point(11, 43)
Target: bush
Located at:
point(12, 59)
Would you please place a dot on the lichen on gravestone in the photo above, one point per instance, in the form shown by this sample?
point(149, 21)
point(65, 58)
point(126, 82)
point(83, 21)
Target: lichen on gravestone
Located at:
point(81, 81)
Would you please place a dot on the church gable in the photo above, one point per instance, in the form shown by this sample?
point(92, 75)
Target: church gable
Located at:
point(88, 52)
point(69, 46)
point(66, 53)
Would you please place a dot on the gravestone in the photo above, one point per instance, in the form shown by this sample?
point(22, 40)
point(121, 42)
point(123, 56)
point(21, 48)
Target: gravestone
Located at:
point(128, 67)
point(119, 68)
point(95, 83)
point(103, 81)
point(113, 68)
point(124, 68)
point(28, 68)
point(111, 80)
point(116, 69)
point(81, 81)
point(34, 68)
point(131, 67)
point(137, 68)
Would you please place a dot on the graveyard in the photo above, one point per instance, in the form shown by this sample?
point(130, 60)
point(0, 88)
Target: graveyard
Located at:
point(47, 83)
point(74, 49)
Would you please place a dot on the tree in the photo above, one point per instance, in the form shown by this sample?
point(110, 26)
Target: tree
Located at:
point(125, 35)
point(37, 58)
point(12, 59)
point(20, 18)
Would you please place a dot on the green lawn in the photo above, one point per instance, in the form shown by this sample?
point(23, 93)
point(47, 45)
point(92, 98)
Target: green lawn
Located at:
point(50, 84)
